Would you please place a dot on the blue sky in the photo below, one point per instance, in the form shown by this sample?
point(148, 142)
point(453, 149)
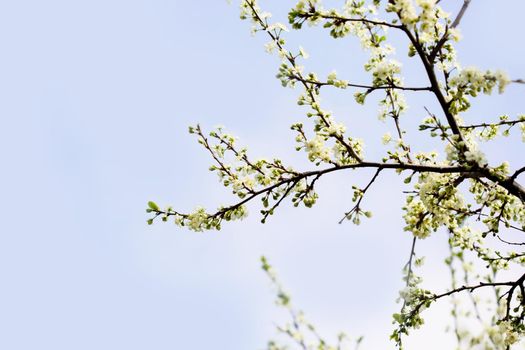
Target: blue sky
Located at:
point(96, 97)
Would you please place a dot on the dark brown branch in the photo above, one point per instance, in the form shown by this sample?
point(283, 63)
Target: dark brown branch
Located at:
point(486, 125)
point(510, 243)
point(470, 289)
point(363, 86)
point(439, 46)
point(341, 19)
point(316, 173)
point(222, 166)
point(356, 207)
point(508, 183)
point(308, 89)
point(409, 267)
point(286, 192)
point(429, 68)
point(517, 173)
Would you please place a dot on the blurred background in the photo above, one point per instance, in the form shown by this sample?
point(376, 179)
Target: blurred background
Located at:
point(95, 100)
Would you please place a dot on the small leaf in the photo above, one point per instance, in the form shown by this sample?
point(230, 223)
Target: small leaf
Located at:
point(153, 206)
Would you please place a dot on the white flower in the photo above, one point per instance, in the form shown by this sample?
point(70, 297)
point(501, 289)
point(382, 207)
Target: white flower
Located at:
point(277, 26)
point(270, 47)
point(503, 80)
point(243, 183)
point(406, 294)
point(386, 138)
point(336, 129)
point(476, 156)
point(384, 70)
point(406, 10)
point(317, 150)
point(197, 219)
point(454, 34)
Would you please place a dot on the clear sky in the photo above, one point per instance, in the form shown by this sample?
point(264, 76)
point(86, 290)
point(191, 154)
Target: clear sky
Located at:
point(95, 100)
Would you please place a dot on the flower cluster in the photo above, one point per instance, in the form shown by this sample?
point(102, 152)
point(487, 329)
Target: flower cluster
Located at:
point(503, 334)
point(502, 207)
point(317, 149)
point(466, 151)
point(434, 207)
point(414, 299)
point(406, 11)
point(470, 82)
point(384, 71)
point(199, 220)
point(338, 83)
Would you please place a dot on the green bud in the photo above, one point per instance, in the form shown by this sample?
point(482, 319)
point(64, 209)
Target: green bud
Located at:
point(153, 206)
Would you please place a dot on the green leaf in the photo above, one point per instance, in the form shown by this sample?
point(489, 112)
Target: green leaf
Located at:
point(153, 206)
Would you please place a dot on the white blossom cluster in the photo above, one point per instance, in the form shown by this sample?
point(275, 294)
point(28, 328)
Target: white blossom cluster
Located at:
point(437, 198)
point(490, 131)
point(470, 82)
point(406, 11)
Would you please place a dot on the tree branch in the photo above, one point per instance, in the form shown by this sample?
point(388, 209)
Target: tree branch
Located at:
point(308, 89)
point(517, 173)
point(420, 168)
point(462, 11)
point(363, 86)
point(434, 83)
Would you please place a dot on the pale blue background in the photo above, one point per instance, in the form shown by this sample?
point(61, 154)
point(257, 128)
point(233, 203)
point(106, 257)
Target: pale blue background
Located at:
point(95, 100)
